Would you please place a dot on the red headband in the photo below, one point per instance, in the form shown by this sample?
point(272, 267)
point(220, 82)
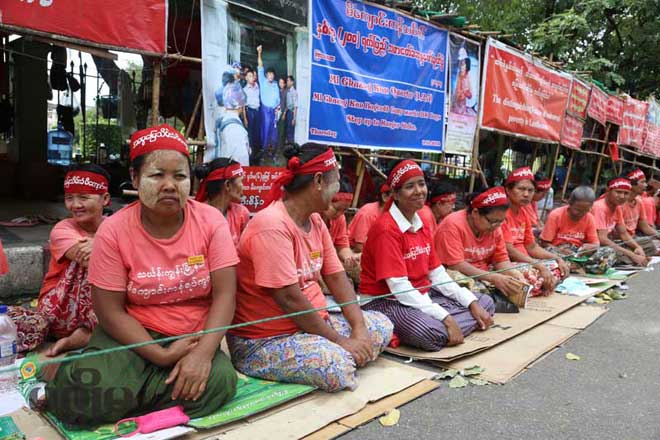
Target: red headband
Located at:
point(228, 172)
point(161, 137)
point(619, 184)
point(404, 171)
point(320, 164)
point(636, 175)
point(85, 182)
point(490, 198)
point(343, 197)
point(444, 198)
point(543, 185)
point(524, 173)
point(385, 188)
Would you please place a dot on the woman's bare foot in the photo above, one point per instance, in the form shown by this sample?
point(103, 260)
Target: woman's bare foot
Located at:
point(78, 339)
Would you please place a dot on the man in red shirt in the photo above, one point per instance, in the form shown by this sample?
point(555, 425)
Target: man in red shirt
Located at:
point(634, 214)
point(608, 214)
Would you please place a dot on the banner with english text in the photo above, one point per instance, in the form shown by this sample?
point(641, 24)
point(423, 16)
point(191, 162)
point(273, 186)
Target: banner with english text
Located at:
point(378, 77)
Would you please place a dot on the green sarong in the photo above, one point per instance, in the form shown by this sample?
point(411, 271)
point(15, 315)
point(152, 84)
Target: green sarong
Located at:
point(107, 388)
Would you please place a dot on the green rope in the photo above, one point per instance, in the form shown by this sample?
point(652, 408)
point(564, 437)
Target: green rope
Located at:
point(75, 357)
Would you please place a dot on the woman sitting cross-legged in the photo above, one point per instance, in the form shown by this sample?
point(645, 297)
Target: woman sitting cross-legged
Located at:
point(399, 256)
point(162, 266)
point(470, 241)
point(285, 251)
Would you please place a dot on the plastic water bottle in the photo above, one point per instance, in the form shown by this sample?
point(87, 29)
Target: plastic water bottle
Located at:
point(8, 379)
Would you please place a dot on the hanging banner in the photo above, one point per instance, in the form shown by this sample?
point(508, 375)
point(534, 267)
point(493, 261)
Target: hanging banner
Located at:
point(378, 77)
point(464, 62)
point(571, 132)
point(123, 24)
point(633, 123)
point(597, 108)
point(578, 99)
point(614, 110)
point(652, 137)
point(257, 183)
point(521, 96)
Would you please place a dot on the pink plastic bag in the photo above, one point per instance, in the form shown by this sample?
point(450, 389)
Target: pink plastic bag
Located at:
point(155, 421)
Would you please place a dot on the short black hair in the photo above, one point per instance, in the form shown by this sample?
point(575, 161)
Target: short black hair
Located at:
point(306, 152)
point(440, 188)
point(90, 167)
point(271, 70)
point(201, 172)
point(291, 78)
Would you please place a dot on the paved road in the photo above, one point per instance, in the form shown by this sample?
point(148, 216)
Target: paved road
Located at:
point(613, 392)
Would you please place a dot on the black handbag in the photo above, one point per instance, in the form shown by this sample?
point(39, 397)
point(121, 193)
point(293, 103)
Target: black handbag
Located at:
point(502, 303)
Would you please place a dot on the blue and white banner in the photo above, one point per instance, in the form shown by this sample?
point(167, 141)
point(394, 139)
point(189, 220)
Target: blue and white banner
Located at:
point(378, 78)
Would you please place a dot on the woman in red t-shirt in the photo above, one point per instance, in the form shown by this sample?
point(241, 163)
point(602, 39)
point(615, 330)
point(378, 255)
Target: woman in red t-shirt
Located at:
point(162, 266)
point(399, 256)
point(65, 299)
point(335, 220)
point(365, 218)
point(442, 201)
point(520, 242)
point(222, 185)
point(470, 241)
point(285, 251)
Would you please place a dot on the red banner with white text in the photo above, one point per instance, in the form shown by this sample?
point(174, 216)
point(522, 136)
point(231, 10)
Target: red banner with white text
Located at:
point(633, 125)
point(597, 108)
point(571, 133)
point(137, 25)
point(522, 96)
point(614, 110)
point(257, 183)
point(578, 99)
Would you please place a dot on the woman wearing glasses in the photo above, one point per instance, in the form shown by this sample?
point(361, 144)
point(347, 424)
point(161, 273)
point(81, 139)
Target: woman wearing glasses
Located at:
point(470, 241)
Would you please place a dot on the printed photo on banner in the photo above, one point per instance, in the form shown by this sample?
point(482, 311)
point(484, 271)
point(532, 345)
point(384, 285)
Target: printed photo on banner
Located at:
point(464, 58)
point(378, 77)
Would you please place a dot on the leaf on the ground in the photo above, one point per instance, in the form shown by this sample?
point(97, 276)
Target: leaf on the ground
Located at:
point(391, 418)
point(458, 382)
point(572, 357)
point(600, 301)
point(478, 382)
point(473, 371)
point(448, 374)
point(34, 303)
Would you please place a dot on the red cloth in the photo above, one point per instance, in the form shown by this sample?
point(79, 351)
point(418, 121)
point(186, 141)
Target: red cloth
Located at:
point(4, 266)
point(491, 197)
point(517, 229)
point(63, 237)
point(651, 209)
point(230, 172)
point(238, 217)
point(455, 243)
point(339, 232)
point(619, 184)
point(524, 173)
point(532, 213)
point(605, 218)
point(362, 222)
point(390, 253)
point(167, 281)
point(161, 137)
point(560, 229)
point(322, 163)
point(85, 182)
point(276, 253)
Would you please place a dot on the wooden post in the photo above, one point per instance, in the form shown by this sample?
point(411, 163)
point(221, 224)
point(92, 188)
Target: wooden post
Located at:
point(155, 93)
point(200, 136)
point(535, 153)
point(475, 159)
point(554, 163)
point(193, 116)
point(599, 166)
point(358, 186)
point(568, 174)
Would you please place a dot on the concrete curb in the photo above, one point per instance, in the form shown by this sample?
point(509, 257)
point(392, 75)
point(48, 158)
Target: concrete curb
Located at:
point(26, 271)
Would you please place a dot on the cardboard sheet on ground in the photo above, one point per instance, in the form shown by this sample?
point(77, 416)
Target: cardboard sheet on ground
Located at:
point(507, 326)
point(505, 361)
point(252, 397)
point(307, 415)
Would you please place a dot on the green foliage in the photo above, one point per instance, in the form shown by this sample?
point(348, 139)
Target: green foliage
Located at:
point(106, 132)
point(617, 41)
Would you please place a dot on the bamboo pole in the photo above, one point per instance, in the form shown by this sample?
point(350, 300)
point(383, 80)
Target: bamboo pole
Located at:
point(368, 163)
point(155, 94)
point(568, 175)
point(599, 166)
point(475, 158)
point(193, 116)
point(554, 163)
point(358, 187)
